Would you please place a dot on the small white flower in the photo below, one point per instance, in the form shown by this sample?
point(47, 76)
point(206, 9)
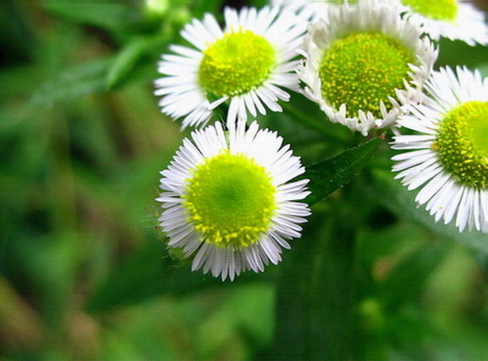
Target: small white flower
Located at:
point(247, 64)
point(228, 201)
point(453, 19)
point(308, 9)
point(363, 63)
point(449, 154)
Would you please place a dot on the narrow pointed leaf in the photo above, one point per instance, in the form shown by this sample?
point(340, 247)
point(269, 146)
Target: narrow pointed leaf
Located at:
point(85, 79)
point(331, 174)
point(127, 58)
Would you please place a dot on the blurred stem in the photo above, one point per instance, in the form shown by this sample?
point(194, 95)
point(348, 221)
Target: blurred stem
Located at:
point(316, 301)
point(62, 178)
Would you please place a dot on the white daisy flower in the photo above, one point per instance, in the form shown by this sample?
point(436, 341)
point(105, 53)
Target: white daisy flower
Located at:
point(363, 63)
point(227, 199)
point(453, 19)
point(308, 9)
point(247, 64)
point(449, 157)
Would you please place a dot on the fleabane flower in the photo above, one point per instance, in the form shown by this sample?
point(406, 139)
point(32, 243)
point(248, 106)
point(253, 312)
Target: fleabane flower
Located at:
point(228, 201)
point(248, 64)
point(453, 19)
point(308, 9)
point(448, 156)
point(363, 63)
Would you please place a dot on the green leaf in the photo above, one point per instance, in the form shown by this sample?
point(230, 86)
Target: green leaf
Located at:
point(259, 3)
point(411, 335)
point(331, 174)
point(409, 277)
point(452, 53)
point(85, 79)
point(201, 7)
point(106, 14)
point(128, 57)
point(16, 36)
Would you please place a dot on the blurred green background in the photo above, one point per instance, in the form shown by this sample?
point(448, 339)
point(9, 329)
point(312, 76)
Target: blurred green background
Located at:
point(84, 273)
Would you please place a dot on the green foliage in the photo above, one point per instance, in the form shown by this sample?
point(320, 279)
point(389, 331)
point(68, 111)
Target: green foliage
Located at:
point(85, 273)
point(331, 174)
point(111, 15)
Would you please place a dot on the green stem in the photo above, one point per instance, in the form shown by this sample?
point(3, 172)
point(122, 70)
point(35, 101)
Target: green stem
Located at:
point(316, 300)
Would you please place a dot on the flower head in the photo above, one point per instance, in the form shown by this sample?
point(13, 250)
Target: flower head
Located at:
point(227, 199)
point(453, 19)
point(362, 62)
point(450, 155)
point(246, 64)
point(308, 9)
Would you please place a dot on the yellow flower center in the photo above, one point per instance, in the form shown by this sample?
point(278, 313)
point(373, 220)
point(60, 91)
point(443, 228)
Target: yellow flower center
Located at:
point(363, 69)
point(445, 10)
point(462, 143)
point(230, 200)
point(237, 63)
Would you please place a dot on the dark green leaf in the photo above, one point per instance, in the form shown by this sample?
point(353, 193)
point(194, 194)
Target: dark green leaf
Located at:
point(259, 3)
point(449, 52)
point(331, 174)
point(200, 7)
point(16, 37)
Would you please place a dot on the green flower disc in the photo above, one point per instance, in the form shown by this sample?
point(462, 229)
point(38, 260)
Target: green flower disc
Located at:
point(444, 10)
point(363, 69)
point(237, 63)
point(230, 200)
point(462, 143)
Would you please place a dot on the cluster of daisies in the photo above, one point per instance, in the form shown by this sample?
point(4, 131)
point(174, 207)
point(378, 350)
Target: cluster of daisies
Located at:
point(229, 199)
